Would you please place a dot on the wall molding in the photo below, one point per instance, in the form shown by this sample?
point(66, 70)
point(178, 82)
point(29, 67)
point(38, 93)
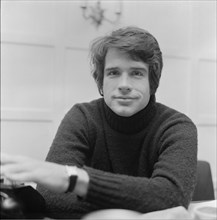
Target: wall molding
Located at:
point(206, 120)
point(207, 59)
point(26, 114)
point(28, 39)
point(72, 47)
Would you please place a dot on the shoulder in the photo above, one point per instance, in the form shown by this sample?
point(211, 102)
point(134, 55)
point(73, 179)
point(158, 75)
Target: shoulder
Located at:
point(170, 114)
point(86, 108)
point(175, 128)
point(173, 121)
point(82, 117)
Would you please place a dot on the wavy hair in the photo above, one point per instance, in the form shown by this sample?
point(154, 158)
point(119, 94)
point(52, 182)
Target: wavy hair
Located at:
point(136, 42)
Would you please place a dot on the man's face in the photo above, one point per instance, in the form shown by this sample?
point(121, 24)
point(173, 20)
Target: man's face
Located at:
point(126, 87)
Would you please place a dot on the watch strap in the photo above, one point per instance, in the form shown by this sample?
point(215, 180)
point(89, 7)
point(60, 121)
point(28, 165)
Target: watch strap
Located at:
point(73, 176)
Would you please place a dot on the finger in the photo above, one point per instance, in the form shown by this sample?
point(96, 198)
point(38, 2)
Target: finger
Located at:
point(19, 177)
point(4, 158)
point(14, 168)
point(7, 158)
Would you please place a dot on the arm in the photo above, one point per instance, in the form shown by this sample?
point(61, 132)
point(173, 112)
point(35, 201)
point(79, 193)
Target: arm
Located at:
point(19, 169)
point(171, 183)
point(70, 147)
point(172, 180)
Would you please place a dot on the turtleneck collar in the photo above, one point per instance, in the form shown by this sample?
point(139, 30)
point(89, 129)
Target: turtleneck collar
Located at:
point(134, 123)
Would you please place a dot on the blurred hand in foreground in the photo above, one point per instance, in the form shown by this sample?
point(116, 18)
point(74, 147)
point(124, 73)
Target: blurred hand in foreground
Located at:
point(24, 169)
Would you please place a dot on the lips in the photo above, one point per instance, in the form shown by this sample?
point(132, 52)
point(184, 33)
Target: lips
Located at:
point(124, 97)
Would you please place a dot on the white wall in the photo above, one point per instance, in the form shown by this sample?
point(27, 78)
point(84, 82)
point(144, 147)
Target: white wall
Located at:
point(45, 69)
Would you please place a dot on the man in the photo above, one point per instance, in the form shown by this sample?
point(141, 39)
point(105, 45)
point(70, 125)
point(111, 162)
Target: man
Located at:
point(124, 150)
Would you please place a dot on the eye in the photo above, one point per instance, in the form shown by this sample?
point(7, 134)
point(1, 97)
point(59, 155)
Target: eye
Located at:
point(112, 73)
point(137, 73)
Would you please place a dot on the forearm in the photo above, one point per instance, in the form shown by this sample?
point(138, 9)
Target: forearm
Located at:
point(62, 181)
point(107, 190)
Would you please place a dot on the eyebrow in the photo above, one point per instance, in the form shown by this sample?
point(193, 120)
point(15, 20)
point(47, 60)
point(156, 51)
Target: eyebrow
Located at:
point(111, 68)
point(132, 68)
point(139, 68)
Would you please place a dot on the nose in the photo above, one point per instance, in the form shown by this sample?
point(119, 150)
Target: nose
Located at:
point(124, 85)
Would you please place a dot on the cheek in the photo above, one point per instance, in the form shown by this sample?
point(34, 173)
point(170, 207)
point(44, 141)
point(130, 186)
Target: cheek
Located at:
point(106, 92)
point(107, 95)
point(144, 88)
point(107, 87)
point(146, 91)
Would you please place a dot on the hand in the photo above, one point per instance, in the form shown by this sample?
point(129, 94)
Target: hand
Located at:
point(24, 169)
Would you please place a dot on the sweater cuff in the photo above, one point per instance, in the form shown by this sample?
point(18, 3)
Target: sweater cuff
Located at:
point(102, 185)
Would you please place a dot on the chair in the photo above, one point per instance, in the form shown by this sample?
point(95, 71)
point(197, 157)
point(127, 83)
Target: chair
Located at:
point(204, 189)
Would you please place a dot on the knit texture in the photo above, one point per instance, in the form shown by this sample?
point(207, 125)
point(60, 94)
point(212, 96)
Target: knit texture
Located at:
point(145, 162)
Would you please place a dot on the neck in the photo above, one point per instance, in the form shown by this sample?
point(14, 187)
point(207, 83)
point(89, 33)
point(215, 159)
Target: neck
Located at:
point(134, 123)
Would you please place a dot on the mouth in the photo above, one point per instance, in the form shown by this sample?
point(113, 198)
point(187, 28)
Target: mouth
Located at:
point(124, 98)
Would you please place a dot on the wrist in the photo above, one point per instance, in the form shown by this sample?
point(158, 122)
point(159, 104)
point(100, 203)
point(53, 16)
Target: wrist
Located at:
point(81, 187)
point(72, 175)
point(78, 180)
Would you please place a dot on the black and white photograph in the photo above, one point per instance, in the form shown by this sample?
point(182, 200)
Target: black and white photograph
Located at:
point(108, 109)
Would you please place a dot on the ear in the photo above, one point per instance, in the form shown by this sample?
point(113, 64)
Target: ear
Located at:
point(100, 91)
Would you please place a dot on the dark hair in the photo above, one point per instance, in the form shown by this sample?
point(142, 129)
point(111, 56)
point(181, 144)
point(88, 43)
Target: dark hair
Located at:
point(136, 42)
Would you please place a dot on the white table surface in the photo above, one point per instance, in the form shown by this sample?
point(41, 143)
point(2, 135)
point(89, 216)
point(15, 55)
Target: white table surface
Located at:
point(195, 205)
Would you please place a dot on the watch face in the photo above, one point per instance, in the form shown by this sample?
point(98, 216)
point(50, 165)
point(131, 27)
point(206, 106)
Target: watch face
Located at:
point(73, 175)
point(71, 170)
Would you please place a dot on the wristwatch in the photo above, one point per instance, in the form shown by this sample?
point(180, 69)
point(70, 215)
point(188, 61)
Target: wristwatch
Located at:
point(73, 176)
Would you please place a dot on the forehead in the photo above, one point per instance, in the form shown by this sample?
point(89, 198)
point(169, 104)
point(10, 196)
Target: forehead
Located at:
point(116, 57)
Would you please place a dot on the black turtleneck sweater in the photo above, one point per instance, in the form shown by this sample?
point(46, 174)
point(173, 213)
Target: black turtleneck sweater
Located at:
point(144, 163)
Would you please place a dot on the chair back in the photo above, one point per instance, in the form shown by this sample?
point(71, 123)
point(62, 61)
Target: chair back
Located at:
point(204, 189)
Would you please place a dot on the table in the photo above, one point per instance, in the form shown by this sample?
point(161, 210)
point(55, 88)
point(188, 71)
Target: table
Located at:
point(195, 205)
point(176, 213)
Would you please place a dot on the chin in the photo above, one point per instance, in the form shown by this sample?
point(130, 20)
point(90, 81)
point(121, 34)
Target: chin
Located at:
point(124, 113)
